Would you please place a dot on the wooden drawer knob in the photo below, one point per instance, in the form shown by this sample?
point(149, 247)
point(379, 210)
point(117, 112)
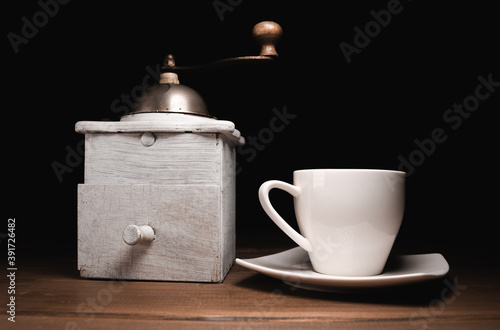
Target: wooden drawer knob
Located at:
point(133, 235)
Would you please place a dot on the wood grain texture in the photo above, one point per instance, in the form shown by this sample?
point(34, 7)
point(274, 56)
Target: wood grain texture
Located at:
point(172, 159)
point(175, 174)
point(188, 225)
point(163, 123)
point(51, 295)
point(182, 180)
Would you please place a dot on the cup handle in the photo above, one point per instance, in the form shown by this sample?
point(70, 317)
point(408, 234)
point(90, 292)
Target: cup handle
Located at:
point(278, 220)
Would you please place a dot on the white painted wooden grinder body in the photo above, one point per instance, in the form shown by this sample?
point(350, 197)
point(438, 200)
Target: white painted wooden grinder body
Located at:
point(158, 198)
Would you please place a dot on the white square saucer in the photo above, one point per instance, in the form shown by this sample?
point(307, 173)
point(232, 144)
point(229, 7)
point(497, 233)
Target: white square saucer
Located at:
point(294, 268)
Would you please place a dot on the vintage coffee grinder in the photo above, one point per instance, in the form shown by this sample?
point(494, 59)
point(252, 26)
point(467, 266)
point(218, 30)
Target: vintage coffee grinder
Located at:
point(158, 198)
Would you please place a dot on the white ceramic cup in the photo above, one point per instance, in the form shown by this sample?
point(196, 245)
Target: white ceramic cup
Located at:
point(349, 218)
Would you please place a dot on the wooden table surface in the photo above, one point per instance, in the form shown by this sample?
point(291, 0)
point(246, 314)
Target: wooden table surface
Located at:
point(51, 295)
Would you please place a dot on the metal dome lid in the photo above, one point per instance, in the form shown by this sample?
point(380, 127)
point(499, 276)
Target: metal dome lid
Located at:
point(171, 97)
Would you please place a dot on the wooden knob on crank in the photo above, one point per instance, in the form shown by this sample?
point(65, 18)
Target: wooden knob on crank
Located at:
point(133, 235)
point(267, 34)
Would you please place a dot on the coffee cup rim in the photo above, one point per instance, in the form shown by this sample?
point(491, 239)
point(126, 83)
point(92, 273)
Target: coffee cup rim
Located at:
point(349, 170)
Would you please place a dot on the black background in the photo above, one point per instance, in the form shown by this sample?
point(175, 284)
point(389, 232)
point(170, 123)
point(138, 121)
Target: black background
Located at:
point(362, 114)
